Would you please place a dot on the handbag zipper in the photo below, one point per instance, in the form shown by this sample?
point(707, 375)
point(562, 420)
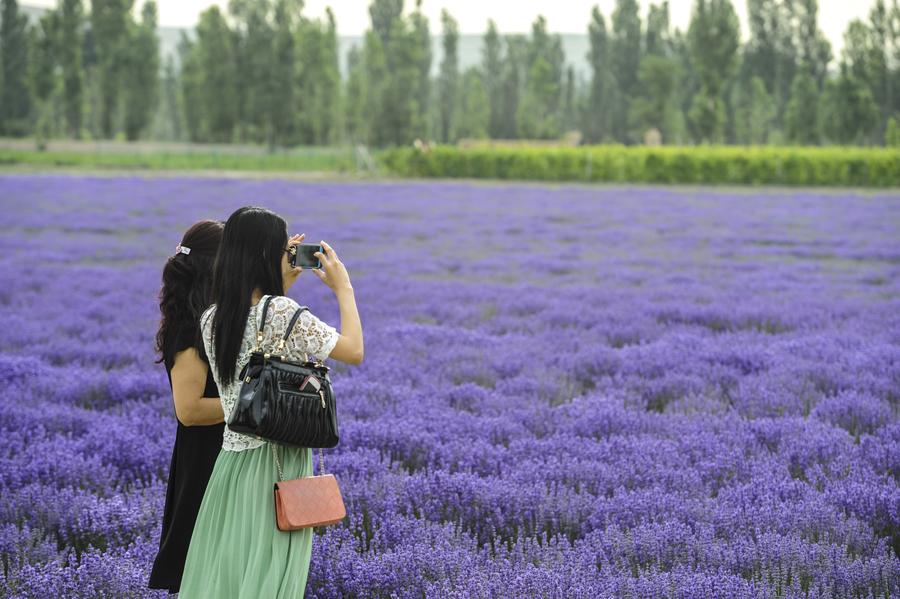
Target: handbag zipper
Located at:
point(284, 388)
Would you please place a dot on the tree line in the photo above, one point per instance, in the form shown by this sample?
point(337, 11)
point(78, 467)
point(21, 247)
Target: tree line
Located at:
point(263, 72)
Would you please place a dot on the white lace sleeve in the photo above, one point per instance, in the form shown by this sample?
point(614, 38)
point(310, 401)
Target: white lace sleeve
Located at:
point(310, 334)
point(206, 334)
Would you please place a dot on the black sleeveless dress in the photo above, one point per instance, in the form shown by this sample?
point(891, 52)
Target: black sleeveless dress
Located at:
point(193, 457)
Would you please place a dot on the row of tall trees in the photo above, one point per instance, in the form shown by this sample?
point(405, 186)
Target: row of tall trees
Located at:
point(73, 72)
point(263, 72)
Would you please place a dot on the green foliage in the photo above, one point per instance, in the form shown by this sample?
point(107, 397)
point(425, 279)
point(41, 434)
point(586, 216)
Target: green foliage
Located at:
point(210, 80)
point(272, 77)
point(42, 79)
point(771, 53)
point(316, 103)
point(845, 166)
point(354, 110)
point(713, 38)
point(475, 108)
point(257, 72)
point(754, 112)
point(850, 113)
point(537, 115)
point(655, 107)
point(110, 20)
point(170, 119)
point(492, 68)
point(261, 72)
point(892, 133)
point(42, 49)
point(513, 82)
point(707, 115)
point(801, 119)
point(140, 73)
point(15, 101)
point(448, 80)
point(597, 121)
point(395, 55)
point(625, 60)
point(71, 38)
point(657, 38)
point(191, 88)
point(422, 35)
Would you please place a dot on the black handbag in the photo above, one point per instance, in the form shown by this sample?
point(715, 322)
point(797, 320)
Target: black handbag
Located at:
point(282, 400)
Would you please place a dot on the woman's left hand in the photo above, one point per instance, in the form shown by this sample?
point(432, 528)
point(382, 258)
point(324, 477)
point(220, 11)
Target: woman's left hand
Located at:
point(291, 273)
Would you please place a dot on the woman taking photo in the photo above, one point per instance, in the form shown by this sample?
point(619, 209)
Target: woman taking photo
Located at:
point(236, 550)
point(186, 292)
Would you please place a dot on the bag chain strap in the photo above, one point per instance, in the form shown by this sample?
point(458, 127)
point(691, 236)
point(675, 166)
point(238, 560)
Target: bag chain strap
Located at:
point(259, 336)
point(278, 462)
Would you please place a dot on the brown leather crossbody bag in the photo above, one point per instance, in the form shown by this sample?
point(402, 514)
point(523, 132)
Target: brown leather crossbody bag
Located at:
point(307, 501)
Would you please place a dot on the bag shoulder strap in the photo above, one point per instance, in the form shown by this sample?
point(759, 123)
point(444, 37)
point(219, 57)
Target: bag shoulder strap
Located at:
point(265, 310)
point(262, 322)
point(294, 318)
point(287, 331)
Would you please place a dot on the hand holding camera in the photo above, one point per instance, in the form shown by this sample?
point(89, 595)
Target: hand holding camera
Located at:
point(332, 272)
point(322, 259)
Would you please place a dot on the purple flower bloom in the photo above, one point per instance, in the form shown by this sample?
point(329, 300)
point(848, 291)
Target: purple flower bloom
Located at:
point(568, 391)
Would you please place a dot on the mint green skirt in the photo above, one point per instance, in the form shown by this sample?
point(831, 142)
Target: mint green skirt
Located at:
point(236, 551)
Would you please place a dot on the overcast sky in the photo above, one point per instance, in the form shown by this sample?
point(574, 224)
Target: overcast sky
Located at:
point(511, 16)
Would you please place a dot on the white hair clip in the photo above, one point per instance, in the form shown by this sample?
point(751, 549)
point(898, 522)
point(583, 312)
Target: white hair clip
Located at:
point(180, 249)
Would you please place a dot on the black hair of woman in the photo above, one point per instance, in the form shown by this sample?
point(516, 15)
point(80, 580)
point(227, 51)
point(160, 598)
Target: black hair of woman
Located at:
point(187, 288)
point(253, 244)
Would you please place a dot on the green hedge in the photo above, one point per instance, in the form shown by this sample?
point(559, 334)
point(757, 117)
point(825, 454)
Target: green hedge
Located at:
point(837, 166)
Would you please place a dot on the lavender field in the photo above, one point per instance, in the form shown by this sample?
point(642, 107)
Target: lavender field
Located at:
point(567, 392)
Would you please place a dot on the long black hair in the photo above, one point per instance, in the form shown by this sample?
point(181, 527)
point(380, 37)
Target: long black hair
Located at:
point(249, 257)
point(187, 290)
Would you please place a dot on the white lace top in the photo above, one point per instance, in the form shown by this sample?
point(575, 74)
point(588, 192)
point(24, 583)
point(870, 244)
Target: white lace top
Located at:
point(310, 336)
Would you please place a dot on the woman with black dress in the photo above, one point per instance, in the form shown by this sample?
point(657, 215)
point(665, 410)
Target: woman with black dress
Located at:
point(186, 292)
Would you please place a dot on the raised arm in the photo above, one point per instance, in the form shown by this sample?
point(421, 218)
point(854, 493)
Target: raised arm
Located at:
point(349, 347)
point(325, 341)
point(310, 336)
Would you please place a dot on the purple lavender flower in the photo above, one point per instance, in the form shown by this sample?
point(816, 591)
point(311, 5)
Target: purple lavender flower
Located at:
point(569, 391)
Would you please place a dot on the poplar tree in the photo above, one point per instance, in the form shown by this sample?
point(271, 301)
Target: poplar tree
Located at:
point(15, 101)
point(492, 66)
point(656, 102)
point(448, 80)
point(538, 113)
point(109, 28)
point(474, 113)
point(140, 76)
point(42, 80)
point(422, 36)
point(597, 119)
point(625, 55)
point(713, 37)
point(355, 123)
point(71, 39)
